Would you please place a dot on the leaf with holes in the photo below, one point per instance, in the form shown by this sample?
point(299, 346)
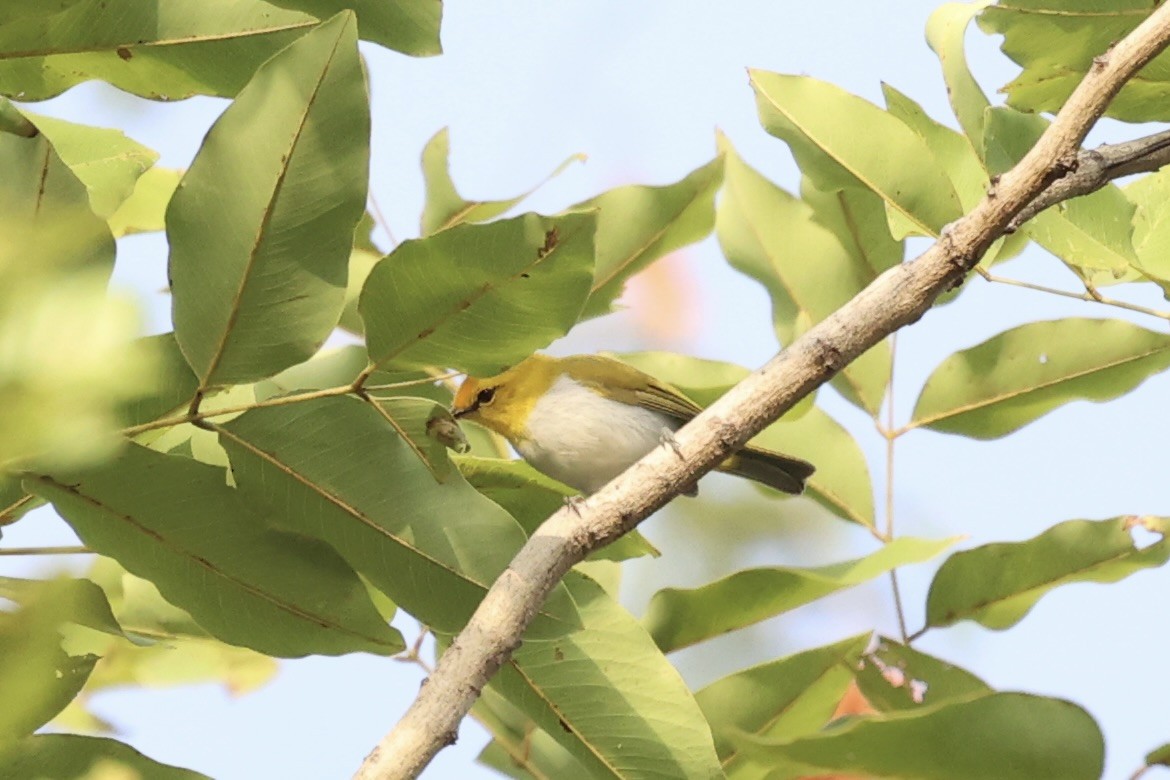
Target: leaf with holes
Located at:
point(1008, 381)
point(998, 584)
point(176, 522)
point(479, 297)
point(261, 226)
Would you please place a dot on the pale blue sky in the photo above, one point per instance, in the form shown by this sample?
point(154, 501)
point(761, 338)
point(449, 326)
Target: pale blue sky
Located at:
point(640, 88)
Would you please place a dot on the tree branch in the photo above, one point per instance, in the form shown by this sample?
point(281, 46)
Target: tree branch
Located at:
point(898, 297)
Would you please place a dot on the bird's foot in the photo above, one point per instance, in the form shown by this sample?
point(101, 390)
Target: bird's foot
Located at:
point(574, 504)
point(666, 439)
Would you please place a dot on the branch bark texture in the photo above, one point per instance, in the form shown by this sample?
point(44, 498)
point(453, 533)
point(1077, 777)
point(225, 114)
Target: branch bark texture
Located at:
point(897, 298)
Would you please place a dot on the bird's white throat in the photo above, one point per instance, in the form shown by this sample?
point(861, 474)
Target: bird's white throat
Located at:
point(586, 439)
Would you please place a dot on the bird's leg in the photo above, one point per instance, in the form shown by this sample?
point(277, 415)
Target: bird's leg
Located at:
point(666, 439)
point(574, 504)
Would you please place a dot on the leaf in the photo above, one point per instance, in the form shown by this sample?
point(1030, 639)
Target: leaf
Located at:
point(1055, 42)
point(145, 210)
point(106, 161)
point(997, 584)
point(478, 298)
point(519, 748)
point(82, 602)
point(946, 30)
point(184, 48)
point(818, 121)
point(261, 226)
point(37, 679)
point(408, 26)
point(678, 617)
point(1159, 756)
point(74, 757)
point(335, 469)
point(775, 239)
point(1011, 379)
point(175, 522)
point(789, 697)
point(18, 9)
point(170, 385)
point(445, 207)
point(841, 483)
point(636, 225)
point(416, 419)
point(606, 695)
point(1008, 736)
point(1151, 224)
point(858, 218)
point(532, 498)
point(891, 673)
point(45, 214)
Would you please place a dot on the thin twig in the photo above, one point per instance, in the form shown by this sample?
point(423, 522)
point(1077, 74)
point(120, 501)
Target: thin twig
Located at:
point(1090, 295)
point(8, 513)
point(284, 400)
point(383, 223)
point(891, 438)
point(70, 550)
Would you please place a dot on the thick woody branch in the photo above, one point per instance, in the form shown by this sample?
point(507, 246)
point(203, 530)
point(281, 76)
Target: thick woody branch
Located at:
point(898, 297)
point(1094, 168)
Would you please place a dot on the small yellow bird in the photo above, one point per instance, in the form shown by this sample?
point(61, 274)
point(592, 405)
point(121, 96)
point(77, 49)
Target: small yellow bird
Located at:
point(585, 419)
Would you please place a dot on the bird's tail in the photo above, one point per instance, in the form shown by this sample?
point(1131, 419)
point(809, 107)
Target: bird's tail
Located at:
point(770, 468)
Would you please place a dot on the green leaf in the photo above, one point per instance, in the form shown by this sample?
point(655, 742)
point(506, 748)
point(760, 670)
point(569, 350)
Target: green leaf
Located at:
point(82, 602)
point(1159, 756)
point(1055, 42)
point(894, 676)
point(858, 218)
point(608, 696)
point(415, 419)
point(1011, 379)
point(169, 386)
point(23, 9)
point(37, 679)
point(105, 160)
point(775, 239)
point(445, 207)
point(946, 30)
point(841, 483)
point(532, 498)
point(182, 48)
point(408, 26)
point(45, 215)
point(819, 122)
point(74, 757)
point(479, 297)
point(1008, 736)
point(678, 618)
point(176, 522)
point(787, 697)
point(336, 469)
point(1150, 195)
point(997, 584)
point(519, 748)
point(145, 210)
point(261, 226)
point(636, 225)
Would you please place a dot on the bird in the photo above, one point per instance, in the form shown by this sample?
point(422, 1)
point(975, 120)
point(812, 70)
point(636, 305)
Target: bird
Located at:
point(584, 419)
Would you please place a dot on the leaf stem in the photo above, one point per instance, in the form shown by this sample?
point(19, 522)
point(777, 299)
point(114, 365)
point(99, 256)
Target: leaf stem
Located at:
point(8, 513)
point(64, 550)
point(891, 437)
point(1090, 295)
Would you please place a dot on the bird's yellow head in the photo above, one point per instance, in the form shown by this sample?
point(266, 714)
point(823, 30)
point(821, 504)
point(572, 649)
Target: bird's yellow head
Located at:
point(504, 402)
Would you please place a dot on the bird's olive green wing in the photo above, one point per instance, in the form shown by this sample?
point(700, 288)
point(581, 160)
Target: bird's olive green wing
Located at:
point(614, 379)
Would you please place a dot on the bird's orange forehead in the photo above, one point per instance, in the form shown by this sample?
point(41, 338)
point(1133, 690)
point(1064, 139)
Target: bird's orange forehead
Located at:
point(465, 395)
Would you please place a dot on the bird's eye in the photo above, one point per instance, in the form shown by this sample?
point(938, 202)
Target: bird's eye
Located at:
point(485, 396)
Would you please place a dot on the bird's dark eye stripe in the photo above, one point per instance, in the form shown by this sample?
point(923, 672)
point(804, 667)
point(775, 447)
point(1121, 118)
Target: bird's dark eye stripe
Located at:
point(485, 396)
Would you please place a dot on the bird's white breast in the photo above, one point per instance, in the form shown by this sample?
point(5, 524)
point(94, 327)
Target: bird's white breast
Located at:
point(584, 439)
